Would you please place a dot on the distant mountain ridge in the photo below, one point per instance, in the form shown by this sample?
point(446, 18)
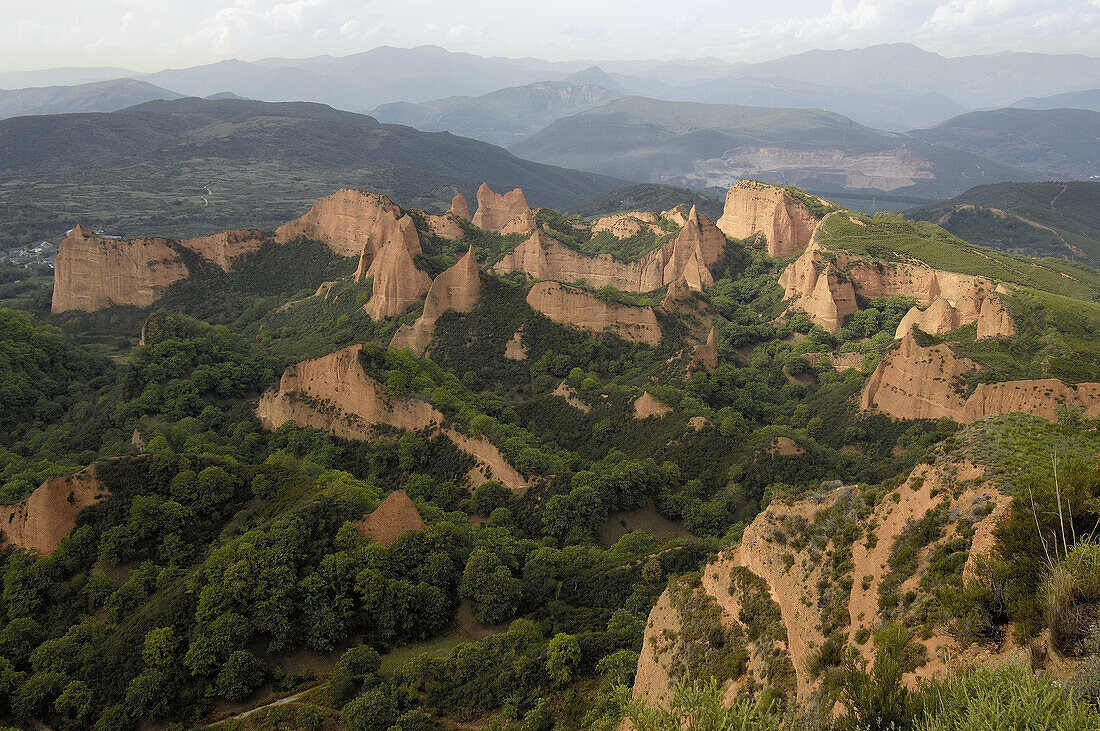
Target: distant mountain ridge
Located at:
point(99, 96)
point(896, 79)
point(202, 165)
point(710, 145)
point(501, 117)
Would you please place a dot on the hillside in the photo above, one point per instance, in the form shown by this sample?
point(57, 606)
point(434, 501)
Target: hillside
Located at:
point(192, 166)
point(102, 96)
point(380, 467)
point(713, 145)
point(1089, 99)
point(1036, 219)
point(501, 117)
point(1053, 143)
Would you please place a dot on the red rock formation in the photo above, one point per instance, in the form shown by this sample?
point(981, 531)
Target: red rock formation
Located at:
point(226, 247)
point(677, 214)
point(459, 207)
point(346, 221)
point(688, 256)
point(333, 393)
point(445, 226)
point(49, 513)
point(395, 515)
point(646, 406)
point(396, 282)
point(455, 290)
point(824, 283)
point(491, 464)
point(92, 273)
point(706, 355)
point(625, 225)
point(514, 349)
point(912, 382)
point(583, 310)
point(754, 207)
point(822, 291)
point(506, 214)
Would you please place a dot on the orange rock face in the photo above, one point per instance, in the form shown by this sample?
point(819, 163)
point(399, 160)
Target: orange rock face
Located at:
point(395, 515)
point(506, 214)
point(646, 406)
point(226, 247)
point(92, 273)
point(752, 207)
point(396, 281)
point(824, 284)
point(455, 290)
point(49, 513)
point(688, 256)
point(625, 225)
point(912, 382)
point(459, 207)
point(347, 222)
point(583, 310)
point(445, 226)
point(333, 394)
point(706, 355)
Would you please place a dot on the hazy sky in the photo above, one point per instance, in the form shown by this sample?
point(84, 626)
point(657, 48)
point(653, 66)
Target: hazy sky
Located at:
point(148, 35)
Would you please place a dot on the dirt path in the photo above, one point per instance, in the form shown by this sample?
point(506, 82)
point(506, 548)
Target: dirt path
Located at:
point(1055, 198)
point(276, 702)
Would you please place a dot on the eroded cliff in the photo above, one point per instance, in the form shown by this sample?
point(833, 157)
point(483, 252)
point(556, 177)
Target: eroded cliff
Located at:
point(49, 514)
point(584, 310)
point(455, 290)
point(753, 207)
point(505, 214)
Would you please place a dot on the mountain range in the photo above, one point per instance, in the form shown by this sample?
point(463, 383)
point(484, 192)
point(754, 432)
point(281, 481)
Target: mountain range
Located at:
point(894, 86)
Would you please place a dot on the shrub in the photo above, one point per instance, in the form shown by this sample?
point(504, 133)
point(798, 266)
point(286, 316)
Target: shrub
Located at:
point(1067, 592)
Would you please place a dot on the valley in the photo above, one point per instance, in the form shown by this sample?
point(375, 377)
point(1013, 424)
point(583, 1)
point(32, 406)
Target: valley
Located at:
point(489, 463)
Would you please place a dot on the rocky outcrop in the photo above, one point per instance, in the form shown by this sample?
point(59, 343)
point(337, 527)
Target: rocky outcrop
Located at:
point(445, 226)
point(824, 285)
point(49, 513)
point(92, 273)
point(459, 207)
point(677, 214)
point(490, 463)
point(226, 247)
point(334, 394)
point(395, 515)
point(543, 257)
point(505, 214)
point(912, 382)
point(625, 225)
point(688, 256)
point(396, 282)
point(455, 290)
point(566, 392)
point(348, 222)
point(706, 354)
point(792, 559)
point(515, 349)
point(819, 289)
point(753, 207)
point(646, 405)
point(583, 310)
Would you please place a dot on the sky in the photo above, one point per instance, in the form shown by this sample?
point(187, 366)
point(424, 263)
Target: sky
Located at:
point(150, 35)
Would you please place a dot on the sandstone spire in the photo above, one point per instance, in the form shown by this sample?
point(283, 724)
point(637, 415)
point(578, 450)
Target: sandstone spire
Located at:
point(396, 281)
point(706, 354)
point(506, 214)
point(455, 290)
point(459, 207)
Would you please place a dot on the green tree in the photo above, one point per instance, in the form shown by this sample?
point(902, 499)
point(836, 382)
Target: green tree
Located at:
point(74, 705)
point(351, 672)
point(563, 654)
point(160, 647)
point(489, 582)
point(372, 711)
point(241, 674)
